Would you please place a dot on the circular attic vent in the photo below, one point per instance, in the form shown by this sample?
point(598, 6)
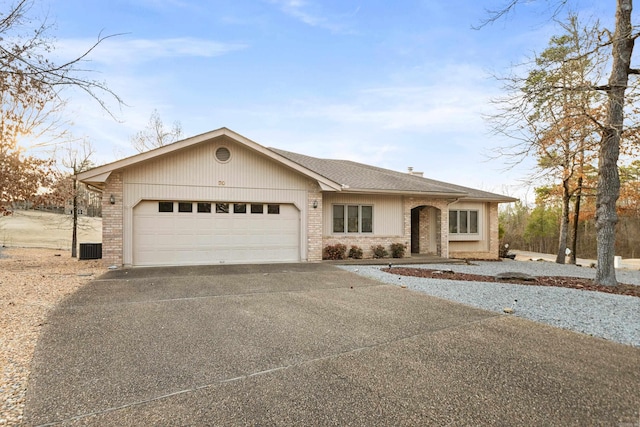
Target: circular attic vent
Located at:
point(223, 154)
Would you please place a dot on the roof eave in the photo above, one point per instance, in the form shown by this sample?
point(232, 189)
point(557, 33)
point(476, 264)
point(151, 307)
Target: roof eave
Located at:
point(439, 195)
point(491, 199)
point(434, 194)
point(98, 176)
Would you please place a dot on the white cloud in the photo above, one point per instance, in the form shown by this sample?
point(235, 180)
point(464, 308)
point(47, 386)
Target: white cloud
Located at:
point(310, 13)
point(456, 103)
point(118, 50)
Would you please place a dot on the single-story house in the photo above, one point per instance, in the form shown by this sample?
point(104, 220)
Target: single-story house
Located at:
point(222, 198)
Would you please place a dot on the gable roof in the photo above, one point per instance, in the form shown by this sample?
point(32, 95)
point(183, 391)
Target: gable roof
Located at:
point(359, 177)
point(99, 175)
point(331, 175)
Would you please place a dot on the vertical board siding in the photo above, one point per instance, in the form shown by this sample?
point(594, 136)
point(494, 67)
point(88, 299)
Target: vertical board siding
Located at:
point(387, 213)
point(194, 175)
point(197, 166)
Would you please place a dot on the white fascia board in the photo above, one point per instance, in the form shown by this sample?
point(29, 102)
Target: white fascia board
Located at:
point(325, 187)
point(147, 155)
point(96, 179)
point(436, 195)
point(100, 171)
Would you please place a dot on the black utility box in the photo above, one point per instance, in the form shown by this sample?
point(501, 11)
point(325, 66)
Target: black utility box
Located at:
point(90, 251)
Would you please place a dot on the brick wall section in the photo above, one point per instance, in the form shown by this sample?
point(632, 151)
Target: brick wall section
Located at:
point(424, 231)
point(112, 224)
point(365, 243)
point(438, 214)
point(442, 242)
point(494, 234)
point(473, 255)
point(314, 226)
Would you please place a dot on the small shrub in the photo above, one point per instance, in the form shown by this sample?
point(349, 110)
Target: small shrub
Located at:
point(379, 251)
point(355, 252)
point(334, 252)
point(398, 250)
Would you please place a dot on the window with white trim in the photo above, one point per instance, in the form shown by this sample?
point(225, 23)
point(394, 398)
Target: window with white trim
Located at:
point(352, 219)
point(463, 221)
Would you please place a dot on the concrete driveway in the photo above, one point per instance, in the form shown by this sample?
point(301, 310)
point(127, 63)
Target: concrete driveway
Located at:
point(309, 344)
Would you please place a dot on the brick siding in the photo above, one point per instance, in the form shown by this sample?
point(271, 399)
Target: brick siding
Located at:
point(314, 225)
point(112, 221)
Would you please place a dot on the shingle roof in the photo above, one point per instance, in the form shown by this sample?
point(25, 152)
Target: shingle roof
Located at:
point(355, 176)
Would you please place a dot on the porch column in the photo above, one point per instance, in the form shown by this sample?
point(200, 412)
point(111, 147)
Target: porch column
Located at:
point(112, 221)
point(314, 225)
point(494, 235)
point(444, 230)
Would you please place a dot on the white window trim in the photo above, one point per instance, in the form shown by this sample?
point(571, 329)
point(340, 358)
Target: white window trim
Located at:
point(345, 207)
point(468, 236)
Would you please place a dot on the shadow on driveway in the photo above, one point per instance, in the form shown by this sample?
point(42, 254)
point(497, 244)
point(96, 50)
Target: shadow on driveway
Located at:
point(310, 344)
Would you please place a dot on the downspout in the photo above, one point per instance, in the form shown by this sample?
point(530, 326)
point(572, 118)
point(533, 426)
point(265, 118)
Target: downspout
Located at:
point(447, 230)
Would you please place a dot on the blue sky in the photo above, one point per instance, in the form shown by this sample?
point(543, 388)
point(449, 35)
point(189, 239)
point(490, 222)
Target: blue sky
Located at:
point(390, 83)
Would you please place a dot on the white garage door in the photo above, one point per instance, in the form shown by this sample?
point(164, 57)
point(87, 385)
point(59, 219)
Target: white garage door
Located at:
point(191, 233)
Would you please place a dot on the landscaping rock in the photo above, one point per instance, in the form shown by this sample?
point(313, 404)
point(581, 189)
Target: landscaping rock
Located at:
point(514, 275)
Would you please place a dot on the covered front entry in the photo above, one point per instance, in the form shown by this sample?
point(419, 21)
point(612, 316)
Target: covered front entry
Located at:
point(198, 233)
point(425, 230)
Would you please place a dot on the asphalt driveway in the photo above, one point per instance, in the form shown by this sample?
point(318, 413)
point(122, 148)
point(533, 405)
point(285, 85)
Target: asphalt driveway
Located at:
point(309, 344)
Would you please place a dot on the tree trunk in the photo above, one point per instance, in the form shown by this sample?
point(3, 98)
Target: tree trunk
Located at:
point(608, 178)
point(576, 219)
point(564, 223)
point(74, 236)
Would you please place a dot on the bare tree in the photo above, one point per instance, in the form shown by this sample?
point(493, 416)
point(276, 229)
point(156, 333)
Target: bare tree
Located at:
point(76, 158)
point(608, 188)
point(25, 68)
point(155, 134)
point(553, 117)
point(31, 87)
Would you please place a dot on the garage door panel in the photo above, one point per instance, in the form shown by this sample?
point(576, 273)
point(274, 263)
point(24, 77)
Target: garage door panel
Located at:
point(189, 238)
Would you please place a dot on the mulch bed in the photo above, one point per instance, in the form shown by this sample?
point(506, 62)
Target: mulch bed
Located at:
point(558, 281)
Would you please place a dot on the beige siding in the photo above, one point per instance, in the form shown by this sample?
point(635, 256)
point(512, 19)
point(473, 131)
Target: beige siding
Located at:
point(387, 213)
point(195, 175)
point(198, 166)
point(472, 244)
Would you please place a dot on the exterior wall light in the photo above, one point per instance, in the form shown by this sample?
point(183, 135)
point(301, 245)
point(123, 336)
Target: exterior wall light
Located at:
point(112, 200)
point(315, 204)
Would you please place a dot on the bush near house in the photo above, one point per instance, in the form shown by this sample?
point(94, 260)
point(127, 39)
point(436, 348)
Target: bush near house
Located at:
point(355, 252)
point(379, 251)
point(398, 250)
point(334, 252)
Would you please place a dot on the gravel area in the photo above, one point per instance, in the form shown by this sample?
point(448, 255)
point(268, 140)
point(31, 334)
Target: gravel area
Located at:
point(613, 317)
point(32, 282)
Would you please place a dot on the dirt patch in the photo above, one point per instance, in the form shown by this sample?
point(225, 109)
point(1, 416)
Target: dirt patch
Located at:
point(558, 281)
point(32, 282)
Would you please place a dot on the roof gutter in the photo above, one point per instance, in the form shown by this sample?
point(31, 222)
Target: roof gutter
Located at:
point(403, 193)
